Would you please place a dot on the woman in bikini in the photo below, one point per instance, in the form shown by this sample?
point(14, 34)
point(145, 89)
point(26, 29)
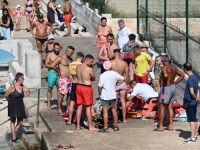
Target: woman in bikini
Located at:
point(102, 33)
point(36, 11)
point(48, 45)
point(29, 12)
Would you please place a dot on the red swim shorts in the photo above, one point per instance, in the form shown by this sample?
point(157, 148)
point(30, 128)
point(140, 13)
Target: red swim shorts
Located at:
point(68, 18)
point(84, 94)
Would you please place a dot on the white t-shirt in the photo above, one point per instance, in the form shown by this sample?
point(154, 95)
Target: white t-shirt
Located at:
point(108, 82)
point(145, 91)
point(123, 36)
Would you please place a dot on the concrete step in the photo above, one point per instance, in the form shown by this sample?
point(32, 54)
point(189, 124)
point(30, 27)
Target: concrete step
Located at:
point(28, 137)
point(73, 25)
point(4, 144)
point(13, 145)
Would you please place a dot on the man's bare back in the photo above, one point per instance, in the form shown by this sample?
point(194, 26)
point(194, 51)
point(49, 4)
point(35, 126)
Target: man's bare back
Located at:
point(119, 66)
point(68, 8)
point(168, 75)
point(84, 74)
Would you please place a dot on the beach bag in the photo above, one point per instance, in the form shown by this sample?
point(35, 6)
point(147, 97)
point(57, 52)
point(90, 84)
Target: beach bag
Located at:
point(62, 27)
point(186, 103)
point(76, 31)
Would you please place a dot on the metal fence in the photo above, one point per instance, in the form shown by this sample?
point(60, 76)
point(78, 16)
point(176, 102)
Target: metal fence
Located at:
point(118, 8)
point(172, 26)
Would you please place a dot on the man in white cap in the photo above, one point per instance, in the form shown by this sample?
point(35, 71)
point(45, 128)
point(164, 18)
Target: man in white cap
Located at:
point(106, 89)
point(49, 44)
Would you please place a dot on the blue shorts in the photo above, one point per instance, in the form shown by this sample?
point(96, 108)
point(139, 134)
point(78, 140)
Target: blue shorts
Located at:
point(73, 92)
point(191, 113)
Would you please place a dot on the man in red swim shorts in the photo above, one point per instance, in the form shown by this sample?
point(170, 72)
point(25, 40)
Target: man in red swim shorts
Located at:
point(84, 91)
point(67, 14)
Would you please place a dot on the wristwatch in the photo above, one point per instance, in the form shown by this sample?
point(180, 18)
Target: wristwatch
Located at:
point(148, 70)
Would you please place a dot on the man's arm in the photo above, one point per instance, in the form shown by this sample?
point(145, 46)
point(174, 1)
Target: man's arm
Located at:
point(152, 64)
point(44, 48)
point(61, 47)
point(181, 76)
point(32, 27)
point(127, 75)
point(47, 62)
point(51, 27)
point(164, 71)
point(55, 64)
point(92, 75)
point(134, 69)
point(192, 93)
point(100, 57)
point(99, 90)
point(110, 52)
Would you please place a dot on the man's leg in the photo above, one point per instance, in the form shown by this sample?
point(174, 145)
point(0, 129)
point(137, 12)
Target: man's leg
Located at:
point(89, 117)
point(60, 99)
point(193, 126)
point(57, 92)
point(78, 116)
point(115, 116)
point(71, 110)
point(161, 116)
point(171, 116)
point(39, 45)
point(123, 103)
point(131, 71)
point(48, 97)
point(68, 102)
point(68, 29)
point(105, 117)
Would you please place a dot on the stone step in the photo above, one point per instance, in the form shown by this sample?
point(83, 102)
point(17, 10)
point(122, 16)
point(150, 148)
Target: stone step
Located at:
point(4, 144)
point(13, 145)
point(73, 25)
point(28, 137)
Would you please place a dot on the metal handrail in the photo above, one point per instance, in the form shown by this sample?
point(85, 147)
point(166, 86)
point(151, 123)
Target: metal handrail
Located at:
point(37, 89)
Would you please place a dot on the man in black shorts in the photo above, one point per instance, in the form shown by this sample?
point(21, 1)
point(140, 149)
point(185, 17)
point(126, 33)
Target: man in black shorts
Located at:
point(72, 69)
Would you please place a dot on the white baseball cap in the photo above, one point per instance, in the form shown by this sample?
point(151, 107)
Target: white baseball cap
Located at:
point(50, 37)
point(18, 6)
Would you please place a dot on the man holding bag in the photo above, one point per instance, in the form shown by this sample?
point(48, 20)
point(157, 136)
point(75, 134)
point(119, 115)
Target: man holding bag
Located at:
point(191, 95)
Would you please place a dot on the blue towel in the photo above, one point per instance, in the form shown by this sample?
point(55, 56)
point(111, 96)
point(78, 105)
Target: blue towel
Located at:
point(60, 17)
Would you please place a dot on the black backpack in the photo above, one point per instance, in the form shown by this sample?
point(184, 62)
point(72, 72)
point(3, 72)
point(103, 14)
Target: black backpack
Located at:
point(62, 28)
point(11, 25)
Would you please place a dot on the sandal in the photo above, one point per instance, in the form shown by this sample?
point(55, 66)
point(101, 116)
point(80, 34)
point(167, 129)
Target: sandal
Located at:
point(104, 130)
point(116, 128)
point(15, 140)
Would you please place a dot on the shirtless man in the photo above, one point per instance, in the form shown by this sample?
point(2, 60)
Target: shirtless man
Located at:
point(67, 14)
point(168, 91)
point(121, 67)
point(84, 92)
point(106, 51)
point(65, 79)
point(52, 75)
point(72, 68)
point(41, 33)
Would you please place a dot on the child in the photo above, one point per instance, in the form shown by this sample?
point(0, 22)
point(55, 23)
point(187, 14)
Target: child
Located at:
point(18, 18)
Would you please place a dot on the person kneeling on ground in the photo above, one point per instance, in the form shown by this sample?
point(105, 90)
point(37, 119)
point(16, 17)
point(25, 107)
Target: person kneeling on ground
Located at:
point(106, 89)
point(149, 96)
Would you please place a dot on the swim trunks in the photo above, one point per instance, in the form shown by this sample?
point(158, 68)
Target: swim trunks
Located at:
point(84, 94)
point(68, 18)
point(65, 85)
point(121, 88)
point(53, 79)
point(41, 40)
point(167, 94)
point(108, 103)
point(73, 92)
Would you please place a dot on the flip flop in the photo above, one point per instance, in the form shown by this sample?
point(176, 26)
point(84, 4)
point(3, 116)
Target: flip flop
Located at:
point(104, 130)
point(116, 128)
point(60, 114)
point(169, 129)
point(15, 140)
point(156, 129)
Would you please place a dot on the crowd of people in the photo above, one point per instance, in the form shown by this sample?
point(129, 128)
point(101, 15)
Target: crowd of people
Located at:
point(127, 71)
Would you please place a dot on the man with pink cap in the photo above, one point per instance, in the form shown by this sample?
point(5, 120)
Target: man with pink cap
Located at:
point(107, 94)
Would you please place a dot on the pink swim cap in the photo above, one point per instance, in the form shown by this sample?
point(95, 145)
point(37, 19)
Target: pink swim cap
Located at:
point(107, 65)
